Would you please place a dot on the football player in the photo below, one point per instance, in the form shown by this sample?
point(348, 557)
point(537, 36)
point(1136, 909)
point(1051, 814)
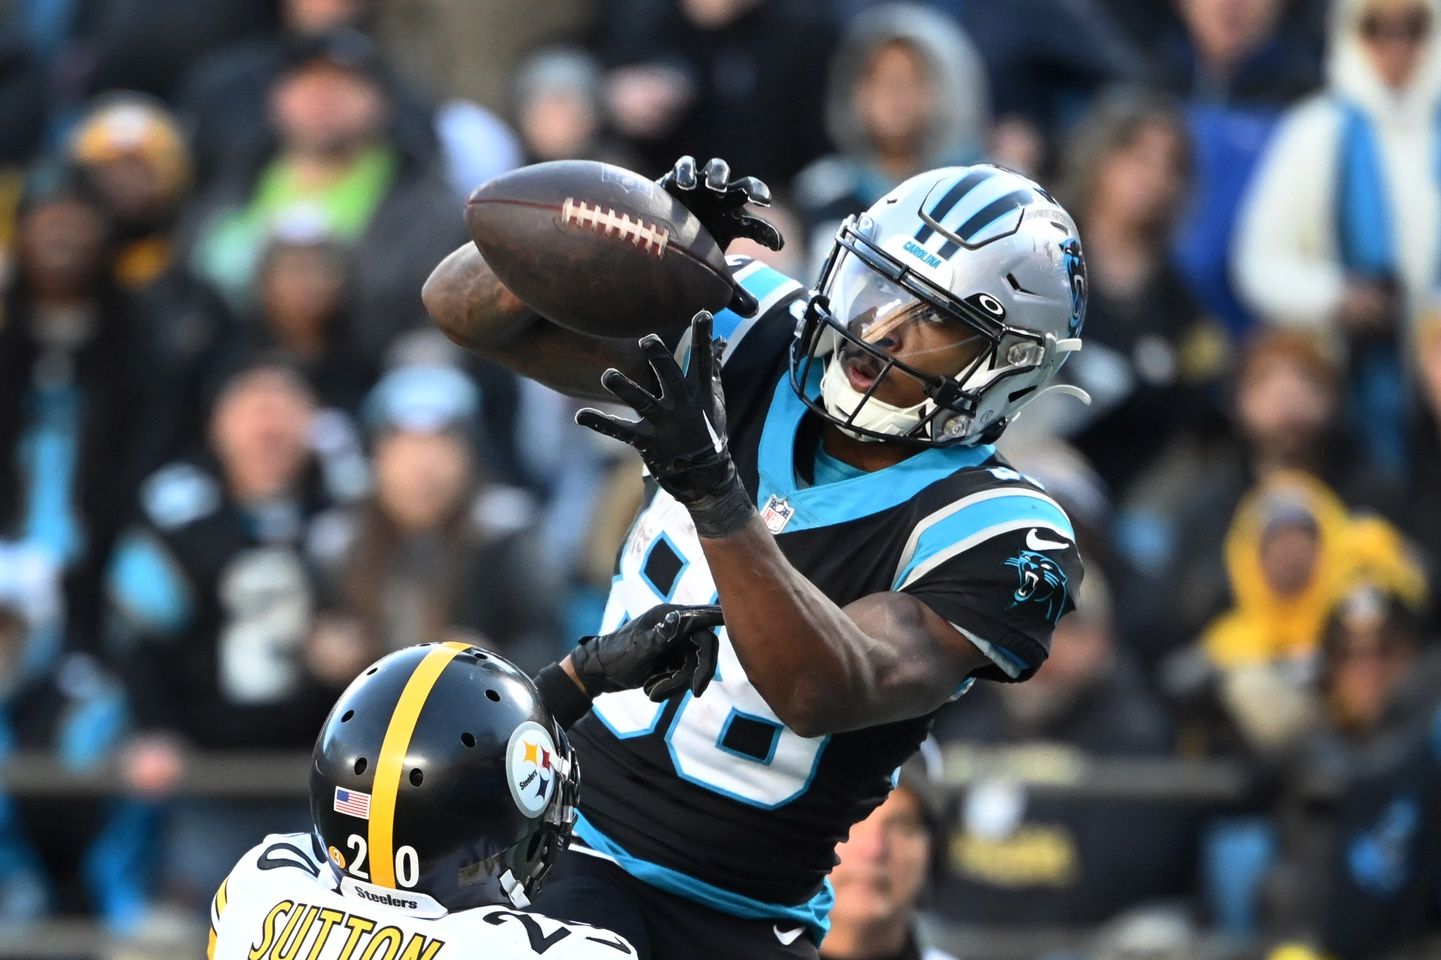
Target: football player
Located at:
point(442, 789)
point(823, 463)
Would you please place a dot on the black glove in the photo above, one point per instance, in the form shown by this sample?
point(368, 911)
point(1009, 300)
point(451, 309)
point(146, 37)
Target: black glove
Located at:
point(665, 650)
point(681, 433)
point(719, 203)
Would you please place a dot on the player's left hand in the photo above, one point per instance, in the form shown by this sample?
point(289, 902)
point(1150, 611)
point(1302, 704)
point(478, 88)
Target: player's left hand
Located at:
point(681, 433)
point(665, 650)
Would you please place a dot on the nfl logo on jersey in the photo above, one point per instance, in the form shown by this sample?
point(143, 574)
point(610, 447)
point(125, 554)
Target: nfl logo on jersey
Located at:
point(777, 513)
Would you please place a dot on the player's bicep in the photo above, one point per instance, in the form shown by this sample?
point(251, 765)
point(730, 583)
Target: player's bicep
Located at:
point(922, 657)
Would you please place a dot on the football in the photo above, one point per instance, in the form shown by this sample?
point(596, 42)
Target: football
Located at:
point(597, 248)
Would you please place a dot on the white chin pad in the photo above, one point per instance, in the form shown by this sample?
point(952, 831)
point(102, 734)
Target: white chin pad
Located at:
point(841, 400)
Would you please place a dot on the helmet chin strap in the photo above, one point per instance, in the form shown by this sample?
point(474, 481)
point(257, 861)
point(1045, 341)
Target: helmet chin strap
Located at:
point(514, 892)
point(840, 399)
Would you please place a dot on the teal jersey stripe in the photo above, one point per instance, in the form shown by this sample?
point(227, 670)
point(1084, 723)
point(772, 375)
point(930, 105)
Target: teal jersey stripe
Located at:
point(977, 522)
point(760, 282)
point(814, 913)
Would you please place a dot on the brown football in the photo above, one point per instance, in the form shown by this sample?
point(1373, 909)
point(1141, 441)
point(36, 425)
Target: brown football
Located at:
point(597, 248)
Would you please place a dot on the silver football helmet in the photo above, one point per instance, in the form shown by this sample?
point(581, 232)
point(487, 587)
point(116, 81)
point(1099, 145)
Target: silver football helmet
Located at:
point(943, 309)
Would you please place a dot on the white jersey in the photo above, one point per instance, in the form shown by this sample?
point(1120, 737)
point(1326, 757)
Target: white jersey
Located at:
point(283, 902)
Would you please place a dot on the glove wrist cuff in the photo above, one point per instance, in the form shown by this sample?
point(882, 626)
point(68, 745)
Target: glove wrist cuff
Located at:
point(589, 669)
point(723, 512)
point(562, 697)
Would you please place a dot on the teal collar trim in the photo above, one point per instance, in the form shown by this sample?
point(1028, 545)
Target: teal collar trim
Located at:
point(828, 504)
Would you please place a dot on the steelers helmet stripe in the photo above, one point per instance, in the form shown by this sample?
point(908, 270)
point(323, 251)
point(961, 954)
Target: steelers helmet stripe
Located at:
point(952, 197)
point(389, 766)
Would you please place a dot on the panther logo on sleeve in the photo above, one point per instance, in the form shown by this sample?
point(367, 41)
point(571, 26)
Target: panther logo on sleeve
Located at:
point(1039, 581)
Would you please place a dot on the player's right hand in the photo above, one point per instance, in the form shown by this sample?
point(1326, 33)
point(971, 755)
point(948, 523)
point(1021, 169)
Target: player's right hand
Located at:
point(720, 204)
point(665, 650)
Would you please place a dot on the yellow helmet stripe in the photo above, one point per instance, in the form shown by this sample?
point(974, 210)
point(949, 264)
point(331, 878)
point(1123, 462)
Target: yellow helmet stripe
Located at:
point(390, 764)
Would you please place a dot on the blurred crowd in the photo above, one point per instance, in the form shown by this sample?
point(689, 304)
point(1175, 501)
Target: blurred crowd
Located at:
point(237, 464)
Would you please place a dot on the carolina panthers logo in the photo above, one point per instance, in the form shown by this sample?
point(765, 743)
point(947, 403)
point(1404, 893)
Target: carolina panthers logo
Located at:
point(1039, 581)
point(1075, 264)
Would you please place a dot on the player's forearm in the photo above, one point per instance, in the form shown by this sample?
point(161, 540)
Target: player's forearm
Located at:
point(563, 693)
point(473, 308)
point(817, 667)
point(470, 304)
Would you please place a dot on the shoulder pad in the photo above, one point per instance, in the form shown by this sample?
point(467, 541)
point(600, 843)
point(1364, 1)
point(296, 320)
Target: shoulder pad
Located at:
point(295, 853)
point(773, 290)
point(761, 280)
point(298, 851)
point(1006, 474)
point(178, 495)
point(993, 511)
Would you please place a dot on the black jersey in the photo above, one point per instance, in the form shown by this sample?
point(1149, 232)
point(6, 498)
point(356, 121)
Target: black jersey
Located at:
point(713, 797)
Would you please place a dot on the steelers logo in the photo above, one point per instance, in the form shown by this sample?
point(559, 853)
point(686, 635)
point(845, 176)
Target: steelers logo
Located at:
point(530, 767)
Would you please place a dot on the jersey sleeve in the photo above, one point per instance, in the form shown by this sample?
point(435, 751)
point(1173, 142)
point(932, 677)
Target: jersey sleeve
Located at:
point(1001, 567)
point(218, 903)
point(236, 883)
point(281, 858)
point(774, 292)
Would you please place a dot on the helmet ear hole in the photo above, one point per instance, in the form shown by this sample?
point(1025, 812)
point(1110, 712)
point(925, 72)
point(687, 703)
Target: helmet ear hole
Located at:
point(492, 696)
point(360, 765)
point(345, 717)
point(468, 739)
point(417, 777)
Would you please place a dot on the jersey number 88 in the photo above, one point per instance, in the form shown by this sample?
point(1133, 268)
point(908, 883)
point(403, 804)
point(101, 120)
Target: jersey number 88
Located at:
point(701, 737)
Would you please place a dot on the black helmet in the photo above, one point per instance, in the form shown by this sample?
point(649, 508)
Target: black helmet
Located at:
point(440, 773)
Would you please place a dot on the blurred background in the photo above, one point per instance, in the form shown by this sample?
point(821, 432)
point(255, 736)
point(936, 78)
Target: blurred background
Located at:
point(236, 465)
